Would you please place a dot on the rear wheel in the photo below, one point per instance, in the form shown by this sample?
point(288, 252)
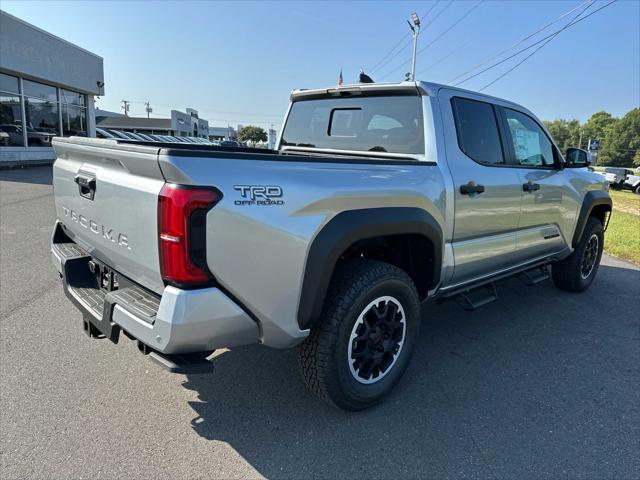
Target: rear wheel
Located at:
point(363, 344)
point(576, 272)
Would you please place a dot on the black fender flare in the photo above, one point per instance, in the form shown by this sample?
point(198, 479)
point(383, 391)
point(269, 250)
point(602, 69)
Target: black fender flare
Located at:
point(591, 200)
point(344, 230)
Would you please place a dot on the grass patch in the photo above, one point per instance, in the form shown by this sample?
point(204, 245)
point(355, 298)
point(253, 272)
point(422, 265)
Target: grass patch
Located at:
point(626, 201)
point(622, 238)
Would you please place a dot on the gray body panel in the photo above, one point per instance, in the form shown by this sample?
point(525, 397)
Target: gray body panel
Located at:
point(258, 253)
point(119, 226)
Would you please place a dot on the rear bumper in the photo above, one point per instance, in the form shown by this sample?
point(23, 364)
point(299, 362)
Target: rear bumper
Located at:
point(179, 321)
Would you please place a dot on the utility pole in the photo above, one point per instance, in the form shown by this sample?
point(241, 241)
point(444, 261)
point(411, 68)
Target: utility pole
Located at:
point(125, 107)
point(580, 141)
point(415, 29)
point(148, 108)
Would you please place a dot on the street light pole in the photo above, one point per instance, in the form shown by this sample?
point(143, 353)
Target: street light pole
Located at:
point(415, 29)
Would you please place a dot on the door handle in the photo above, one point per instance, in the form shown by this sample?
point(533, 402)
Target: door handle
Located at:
point(470, 188)
point(530, 187)
point(86, 185)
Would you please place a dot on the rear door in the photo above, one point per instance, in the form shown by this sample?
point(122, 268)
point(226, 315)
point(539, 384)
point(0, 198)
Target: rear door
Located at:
point(487, 190)
point(107, 198)
point(549, 200)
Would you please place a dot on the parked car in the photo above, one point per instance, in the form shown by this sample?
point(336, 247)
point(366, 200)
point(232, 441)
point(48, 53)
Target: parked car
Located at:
point(145, 137)
point(378, 197)
point(102, 133)
point(230, 143)
point(119, 134)
point(632, 182)
point(34, 137)
point(616, 176)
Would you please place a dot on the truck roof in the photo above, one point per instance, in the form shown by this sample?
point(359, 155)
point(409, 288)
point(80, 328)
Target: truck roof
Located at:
point(428, 88)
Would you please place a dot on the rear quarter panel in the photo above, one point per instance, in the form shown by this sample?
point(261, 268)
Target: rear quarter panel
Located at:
point(258, 252)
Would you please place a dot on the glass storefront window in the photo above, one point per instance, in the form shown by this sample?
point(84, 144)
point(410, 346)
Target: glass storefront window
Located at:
point(40, 91)
point(10, 112)
point(43, 122)
point(10, 121)
point(74, 121)
point(44, 107)
point(72, 98)
point(8, 83)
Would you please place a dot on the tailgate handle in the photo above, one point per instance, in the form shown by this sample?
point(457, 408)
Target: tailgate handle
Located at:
point(86, 185)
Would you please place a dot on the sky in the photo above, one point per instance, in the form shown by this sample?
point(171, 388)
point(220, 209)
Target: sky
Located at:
point(237, 62)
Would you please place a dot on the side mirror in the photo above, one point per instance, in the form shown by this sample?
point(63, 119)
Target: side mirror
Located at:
point(577, 158)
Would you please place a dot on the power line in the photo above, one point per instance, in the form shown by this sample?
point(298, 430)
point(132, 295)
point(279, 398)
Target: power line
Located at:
point(424, 27)
point(467, 13)
point(403, 39)
point(215, 111)
point(451, 27)
point(571, 22)
point(519, 42)
point(550, 36)
point(449, 54)
point(510, 56)
point(407, 41)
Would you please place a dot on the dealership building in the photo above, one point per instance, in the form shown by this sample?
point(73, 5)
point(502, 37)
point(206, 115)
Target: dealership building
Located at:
point(181, 124)
point(47, 86)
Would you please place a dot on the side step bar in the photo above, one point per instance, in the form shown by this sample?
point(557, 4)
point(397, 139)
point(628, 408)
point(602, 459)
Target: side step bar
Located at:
point(535, 275)
point(477, 297)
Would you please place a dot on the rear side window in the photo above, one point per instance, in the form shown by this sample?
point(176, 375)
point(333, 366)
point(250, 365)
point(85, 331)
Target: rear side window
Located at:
point(391, 124)
point(477, 129)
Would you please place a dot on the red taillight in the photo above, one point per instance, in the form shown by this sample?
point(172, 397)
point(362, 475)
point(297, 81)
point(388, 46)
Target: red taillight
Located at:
point(181, 230)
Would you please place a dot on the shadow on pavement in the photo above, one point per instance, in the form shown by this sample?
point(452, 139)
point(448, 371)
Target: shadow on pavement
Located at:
point(538, 383)
point(41, 175)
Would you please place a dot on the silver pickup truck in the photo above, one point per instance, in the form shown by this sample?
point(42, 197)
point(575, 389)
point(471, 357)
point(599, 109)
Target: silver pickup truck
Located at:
point(377, 198)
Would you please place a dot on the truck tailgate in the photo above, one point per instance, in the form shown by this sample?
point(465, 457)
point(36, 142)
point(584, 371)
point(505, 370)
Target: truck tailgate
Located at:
point(107, 199)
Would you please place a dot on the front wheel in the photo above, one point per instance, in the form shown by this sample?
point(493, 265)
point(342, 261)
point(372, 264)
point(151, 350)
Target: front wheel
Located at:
point(366, 335)
point(576, 272)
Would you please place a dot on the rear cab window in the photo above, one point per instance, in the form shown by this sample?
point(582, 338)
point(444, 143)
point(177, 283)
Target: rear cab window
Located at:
point(477, 130)
point(383, 124)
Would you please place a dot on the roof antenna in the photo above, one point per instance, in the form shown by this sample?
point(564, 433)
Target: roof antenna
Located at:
point(364, 78)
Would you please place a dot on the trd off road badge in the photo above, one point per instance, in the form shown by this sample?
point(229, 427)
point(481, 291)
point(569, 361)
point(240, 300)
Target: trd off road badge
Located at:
point(259, 195)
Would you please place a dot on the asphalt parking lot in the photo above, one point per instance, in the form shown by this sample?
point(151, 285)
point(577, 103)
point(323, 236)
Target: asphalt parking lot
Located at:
point(541, 384)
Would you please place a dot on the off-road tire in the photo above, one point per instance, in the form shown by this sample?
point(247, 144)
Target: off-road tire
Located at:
point(567, 274)
point(324, 356)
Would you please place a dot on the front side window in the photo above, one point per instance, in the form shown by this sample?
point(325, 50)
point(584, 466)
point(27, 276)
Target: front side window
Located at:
point(531, 145)
point(477, 130)
point(391, 124)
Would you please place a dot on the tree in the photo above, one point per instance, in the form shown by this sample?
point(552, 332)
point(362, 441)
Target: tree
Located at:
point(622, 141)
point(566, 133)
point(252, 134)
point(597, 126)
